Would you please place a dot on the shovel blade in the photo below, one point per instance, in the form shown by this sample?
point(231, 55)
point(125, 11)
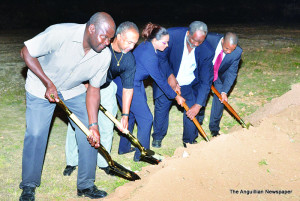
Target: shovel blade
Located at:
point(121, 171)
point(150, 159)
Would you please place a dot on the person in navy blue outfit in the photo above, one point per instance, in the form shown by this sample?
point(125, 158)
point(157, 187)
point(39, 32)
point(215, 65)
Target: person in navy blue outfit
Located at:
point(187, 63)
point(224, 75)
point(147, 64)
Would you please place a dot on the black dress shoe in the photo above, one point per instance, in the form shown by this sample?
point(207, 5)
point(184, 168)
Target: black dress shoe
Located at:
point(156, 143)
point(215, 133)
point(27, 194)
point(107, 170)
point(132, 149)
point(92, 192)
point(184, 143)
point(68, 170)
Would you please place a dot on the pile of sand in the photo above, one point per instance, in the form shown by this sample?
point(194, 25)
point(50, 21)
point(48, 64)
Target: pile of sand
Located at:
point(261, 163)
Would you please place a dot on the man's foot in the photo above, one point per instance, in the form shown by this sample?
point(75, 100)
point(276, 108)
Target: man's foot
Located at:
point(184, 143)
point(215, 133)
point(27, 194)
point(92, 192)
point(132, 149)
point(136, 159)
point(107, 170)
point(156, 143)
point(68, 170)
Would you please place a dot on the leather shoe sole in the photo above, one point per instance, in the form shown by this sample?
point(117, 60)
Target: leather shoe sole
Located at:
point(92, 192)
point(68, 170)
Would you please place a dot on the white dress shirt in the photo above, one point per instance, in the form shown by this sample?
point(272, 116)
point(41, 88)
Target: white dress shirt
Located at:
point(186, 74)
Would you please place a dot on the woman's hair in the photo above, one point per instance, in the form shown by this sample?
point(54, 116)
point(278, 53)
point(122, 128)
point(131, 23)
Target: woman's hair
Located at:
point(152, 31)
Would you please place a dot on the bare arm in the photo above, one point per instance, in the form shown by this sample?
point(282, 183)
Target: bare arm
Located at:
point(126, 100)
point(92, 105)
point(35, 66)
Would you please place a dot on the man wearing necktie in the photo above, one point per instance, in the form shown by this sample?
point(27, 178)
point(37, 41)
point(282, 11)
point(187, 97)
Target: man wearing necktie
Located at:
point(226, 61)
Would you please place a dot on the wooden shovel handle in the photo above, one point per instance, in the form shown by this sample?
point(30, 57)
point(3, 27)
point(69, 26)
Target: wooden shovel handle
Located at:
point(226, 103)
point(196, 122)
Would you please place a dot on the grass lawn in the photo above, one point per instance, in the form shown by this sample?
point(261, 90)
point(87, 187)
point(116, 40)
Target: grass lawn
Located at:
point(270, 65)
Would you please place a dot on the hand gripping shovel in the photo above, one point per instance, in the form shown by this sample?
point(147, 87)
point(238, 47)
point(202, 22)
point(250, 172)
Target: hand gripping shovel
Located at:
point(196, 122)
point(146, 155)
point(116, 168)
point(241, 121)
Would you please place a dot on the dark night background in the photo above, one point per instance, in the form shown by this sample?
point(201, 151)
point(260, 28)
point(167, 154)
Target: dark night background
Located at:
point(16, 14)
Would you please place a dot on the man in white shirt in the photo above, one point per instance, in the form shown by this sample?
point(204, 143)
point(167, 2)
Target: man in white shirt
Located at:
point(187, 62)
point(59, 60)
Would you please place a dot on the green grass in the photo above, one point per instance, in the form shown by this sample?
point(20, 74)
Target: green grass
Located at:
point(270, 65)
point(262, 162)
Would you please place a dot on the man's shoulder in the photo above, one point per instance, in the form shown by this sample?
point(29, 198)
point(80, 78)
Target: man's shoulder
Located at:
point(64, 27)
point(205, 48)
point(239, 50)
point(214, 35)
point(177, 30)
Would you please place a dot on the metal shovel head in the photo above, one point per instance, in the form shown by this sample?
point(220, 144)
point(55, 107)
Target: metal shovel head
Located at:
point(149, 159)
point(121, 171)
point(149, 152)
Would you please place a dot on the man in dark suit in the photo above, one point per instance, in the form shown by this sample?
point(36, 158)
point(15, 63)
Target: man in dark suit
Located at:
point(187, 63)
point(226, 61)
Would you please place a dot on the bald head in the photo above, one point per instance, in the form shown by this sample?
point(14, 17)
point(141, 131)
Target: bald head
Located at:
point(102, 20)
point(229, 42)
point(231, 38)
point(99, 31)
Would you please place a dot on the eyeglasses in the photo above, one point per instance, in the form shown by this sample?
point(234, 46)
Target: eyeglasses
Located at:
point(165, 43)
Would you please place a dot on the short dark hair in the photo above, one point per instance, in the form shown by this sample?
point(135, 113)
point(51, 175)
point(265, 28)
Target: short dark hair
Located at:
point(100, 18)
point(124, 26)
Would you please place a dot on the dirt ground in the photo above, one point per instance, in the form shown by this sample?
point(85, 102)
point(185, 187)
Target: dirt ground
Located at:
point(261, 163)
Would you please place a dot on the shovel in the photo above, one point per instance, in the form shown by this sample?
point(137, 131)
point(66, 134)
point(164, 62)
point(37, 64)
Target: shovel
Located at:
point(146, 154)
point(196, 122)
point(241, 121)
point(116, 168)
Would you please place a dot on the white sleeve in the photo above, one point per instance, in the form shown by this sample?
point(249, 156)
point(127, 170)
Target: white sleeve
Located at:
point(45, 43)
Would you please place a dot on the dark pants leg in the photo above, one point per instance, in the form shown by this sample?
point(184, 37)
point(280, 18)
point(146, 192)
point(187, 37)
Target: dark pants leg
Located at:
point(216, 114)
point(140, 112)
point(190, 132)
point(161, 117)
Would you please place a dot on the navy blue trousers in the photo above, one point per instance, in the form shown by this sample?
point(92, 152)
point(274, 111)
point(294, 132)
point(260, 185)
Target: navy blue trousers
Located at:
point(161, 116)
point(216, 113)
point(139, 113)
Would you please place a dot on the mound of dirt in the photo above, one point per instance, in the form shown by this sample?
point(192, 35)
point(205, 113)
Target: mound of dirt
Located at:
point(261, 163)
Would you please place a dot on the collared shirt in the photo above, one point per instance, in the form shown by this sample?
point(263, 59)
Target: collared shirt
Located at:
point(217, 52)
point(60, 52)
point(125, 70)
point(185, 74)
